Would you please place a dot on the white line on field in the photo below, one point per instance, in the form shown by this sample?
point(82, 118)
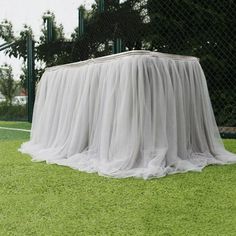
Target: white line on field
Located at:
point(14, 129)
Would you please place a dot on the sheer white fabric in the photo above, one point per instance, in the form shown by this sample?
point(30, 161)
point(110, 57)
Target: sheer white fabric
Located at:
point(141, 114)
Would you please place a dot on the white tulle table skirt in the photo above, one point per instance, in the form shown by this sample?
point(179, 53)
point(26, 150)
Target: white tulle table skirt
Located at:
point(141, 114)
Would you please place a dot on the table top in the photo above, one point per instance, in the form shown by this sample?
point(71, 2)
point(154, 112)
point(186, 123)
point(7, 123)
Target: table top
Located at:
point(167, 56)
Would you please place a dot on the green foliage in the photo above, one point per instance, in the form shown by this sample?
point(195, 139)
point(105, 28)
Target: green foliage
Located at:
point(12, 112)
point(6, 31)
point(39, 70)
point(8, 85)
point(100, 30)
point(18, 49)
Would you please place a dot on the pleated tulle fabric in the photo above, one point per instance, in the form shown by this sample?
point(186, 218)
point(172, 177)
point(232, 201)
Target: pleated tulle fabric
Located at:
point(140, 114)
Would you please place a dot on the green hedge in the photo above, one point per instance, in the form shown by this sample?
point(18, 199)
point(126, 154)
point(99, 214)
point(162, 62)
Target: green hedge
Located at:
point(13, 112)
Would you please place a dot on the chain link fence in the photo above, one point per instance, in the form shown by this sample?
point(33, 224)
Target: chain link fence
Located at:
point(201, 28)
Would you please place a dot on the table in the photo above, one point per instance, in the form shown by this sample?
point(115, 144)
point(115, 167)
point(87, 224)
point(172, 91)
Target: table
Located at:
point(140, 113)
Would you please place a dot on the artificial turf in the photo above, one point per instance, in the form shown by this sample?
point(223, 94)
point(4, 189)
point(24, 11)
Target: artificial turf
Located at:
point(41, 199)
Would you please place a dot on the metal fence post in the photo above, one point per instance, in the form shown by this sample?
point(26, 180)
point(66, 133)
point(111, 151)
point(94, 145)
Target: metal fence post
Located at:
point(101, 6)
point(48, 20)
point(117, 43)
point(30, 76)
point(81, 11)
point(117, 46)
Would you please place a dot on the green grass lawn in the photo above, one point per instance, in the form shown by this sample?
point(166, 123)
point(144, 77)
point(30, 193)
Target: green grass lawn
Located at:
point(41, 199)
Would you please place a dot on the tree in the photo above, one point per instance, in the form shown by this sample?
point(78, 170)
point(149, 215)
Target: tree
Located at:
point(18, 49)
point(6, 31)
point(123, 21)
point(205, 29)
point(7, 84)
point(118, 21)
